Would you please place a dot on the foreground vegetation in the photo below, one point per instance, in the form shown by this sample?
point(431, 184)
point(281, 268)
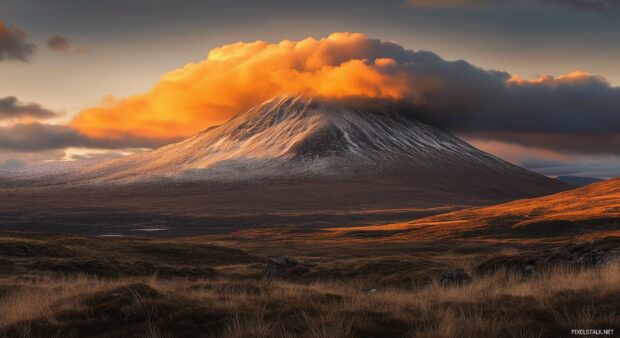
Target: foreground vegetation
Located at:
point(499, 305)
point(47, 292)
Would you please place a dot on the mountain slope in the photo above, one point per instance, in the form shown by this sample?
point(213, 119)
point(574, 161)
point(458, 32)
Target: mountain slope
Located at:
point(297, 135)
point(291, 162)
point(298, 138)
point(587, 210)
point(322, 153)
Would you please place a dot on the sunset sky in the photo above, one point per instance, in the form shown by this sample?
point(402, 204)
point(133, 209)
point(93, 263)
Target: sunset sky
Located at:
point(535, 82)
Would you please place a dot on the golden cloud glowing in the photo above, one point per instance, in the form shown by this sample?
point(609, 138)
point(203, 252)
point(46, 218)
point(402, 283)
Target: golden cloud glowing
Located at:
point(238, 76)
point(575, 77)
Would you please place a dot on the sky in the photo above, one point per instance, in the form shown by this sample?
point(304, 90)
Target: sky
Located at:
point(534, 82)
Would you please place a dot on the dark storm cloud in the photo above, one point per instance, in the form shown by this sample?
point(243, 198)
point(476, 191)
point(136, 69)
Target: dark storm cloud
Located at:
point(59, 44)
point(37, 137)
point(568, 143)
point(11, 108)
point(467, 99)
point(575, 113)
point(605, 167)
point(14, 44)
point(600, 6)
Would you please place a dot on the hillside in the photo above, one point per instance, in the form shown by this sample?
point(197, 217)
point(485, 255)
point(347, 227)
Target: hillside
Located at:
point(593, 210)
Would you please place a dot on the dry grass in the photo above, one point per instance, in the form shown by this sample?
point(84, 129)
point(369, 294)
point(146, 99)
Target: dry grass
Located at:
point(500, 305)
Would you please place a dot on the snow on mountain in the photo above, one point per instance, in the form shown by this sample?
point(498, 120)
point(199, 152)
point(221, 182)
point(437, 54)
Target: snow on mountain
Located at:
point(289, 135)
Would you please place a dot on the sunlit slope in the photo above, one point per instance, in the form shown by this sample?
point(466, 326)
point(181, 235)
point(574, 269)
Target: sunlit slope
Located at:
point(580, 211)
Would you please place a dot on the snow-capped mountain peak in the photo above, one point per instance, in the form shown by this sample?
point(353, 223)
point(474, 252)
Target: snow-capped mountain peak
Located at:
point(299, 138)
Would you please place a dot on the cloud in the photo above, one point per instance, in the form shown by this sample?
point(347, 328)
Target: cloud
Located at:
point(10, 160)
point(454, 95)
point(551, 163)
point(569, 143)
point(82, 51)
point(16, 160)
point(12, 164)
point(38, 137)
point(575, 113)
point(605, 167)
point(444, 3)
point(598, 6)
point(59, 43)
point(13, 44)
point(11, 108)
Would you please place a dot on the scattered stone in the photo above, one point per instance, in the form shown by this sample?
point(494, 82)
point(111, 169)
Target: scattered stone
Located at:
point(454, 278)
point(586, 254)
point(590, 254)
point(529, 270)
point(283, 268)
point(608, 259)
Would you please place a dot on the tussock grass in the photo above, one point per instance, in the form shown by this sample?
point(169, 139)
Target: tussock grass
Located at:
point(502, 304)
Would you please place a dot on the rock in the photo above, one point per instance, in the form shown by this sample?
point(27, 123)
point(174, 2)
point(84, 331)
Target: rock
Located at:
point(587, 254)
point(529, 270)
point(453, 278)
point(372, 291)
point(608, 258)
point(283, 268)
point(590, 256)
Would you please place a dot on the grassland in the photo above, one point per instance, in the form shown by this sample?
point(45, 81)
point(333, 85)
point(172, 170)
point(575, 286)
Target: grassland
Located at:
point(74, 286)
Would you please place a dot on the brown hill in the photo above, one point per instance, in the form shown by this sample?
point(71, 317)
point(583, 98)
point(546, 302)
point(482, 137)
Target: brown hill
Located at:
point(590, 211)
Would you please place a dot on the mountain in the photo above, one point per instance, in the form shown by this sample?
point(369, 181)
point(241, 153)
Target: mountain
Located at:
point(579, 181)
point(290, 162)
point(301, 138)
point(298, 138)
point(593, 211)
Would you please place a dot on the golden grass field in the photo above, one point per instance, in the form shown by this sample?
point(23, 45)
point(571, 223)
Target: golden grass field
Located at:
point(500, 305)
point(74, 286)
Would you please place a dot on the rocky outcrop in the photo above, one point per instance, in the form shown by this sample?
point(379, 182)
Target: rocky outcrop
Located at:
point(453, 278)
point(279, 267)
point(595, 253)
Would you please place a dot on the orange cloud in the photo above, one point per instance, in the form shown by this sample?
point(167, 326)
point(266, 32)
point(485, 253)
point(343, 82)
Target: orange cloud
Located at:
point(576, 77)
point(454, 95)
point(515, 153)
point(238, 76)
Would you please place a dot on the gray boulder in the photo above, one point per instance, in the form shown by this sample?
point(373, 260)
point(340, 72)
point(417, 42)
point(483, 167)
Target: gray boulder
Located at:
point(453, 278)
point(283, 268)
point(529, 270)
